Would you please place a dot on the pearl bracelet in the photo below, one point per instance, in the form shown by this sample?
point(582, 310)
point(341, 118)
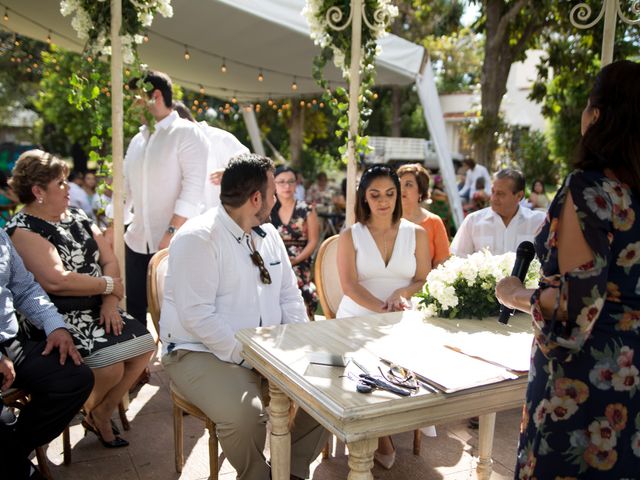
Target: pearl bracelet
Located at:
point(108, 289)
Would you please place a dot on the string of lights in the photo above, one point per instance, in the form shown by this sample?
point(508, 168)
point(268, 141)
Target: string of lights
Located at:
point(225, 61)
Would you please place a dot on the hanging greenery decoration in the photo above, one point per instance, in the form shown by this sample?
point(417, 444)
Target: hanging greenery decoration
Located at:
point(92, 23)
point(329, 22)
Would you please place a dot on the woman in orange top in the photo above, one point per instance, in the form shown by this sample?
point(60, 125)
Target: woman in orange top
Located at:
point(414, 183)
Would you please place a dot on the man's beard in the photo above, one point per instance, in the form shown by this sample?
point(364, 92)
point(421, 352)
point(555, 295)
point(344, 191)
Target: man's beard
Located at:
point(263, 214)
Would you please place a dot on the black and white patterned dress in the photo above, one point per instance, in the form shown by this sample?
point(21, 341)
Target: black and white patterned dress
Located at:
point(78, 250)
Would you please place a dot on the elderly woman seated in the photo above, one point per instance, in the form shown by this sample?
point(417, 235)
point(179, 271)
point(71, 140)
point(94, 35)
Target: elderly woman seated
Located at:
point(69, 257)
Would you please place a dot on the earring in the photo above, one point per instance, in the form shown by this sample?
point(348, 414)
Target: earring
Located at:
point(40, 200)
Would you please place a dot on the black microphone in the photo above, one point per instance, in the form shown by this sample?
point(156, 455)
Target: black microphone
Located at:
point(524, 255)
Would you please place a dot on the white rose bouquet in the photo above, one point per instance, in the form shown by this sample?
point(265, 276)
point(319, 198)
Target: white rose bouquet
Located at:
point(465, 287)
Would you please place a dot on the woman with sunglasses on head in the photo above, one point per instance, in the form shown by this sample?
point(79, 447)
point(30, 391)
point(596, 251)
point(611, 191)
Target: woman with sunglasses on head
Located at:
point(297, 223)
point(383, 259)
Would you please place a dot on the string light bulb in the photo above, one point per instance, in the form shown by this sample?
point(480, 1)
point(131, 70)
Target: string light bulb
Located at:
point(49, 37)
point(223, 67)
point(260, 76)
point(234, 99)
point(187, 55)
point(201, 90)
point(145, 39)
point(269, 102)
point(6, 14)
point(294, 85)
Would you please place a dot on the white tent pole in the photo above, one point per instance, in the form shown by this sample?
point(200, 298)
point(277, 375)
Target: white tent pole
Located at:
point(428, 94)
point(117, 136)
point(354, 113)
point(251, 122)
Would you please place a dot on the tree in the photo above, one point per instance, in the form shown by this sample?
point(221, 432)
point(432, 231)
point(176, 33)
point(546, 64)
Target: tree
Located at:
point(510, 28)
point(20, 71)
point(456, 60)
point(417, 20)
point(566, 74)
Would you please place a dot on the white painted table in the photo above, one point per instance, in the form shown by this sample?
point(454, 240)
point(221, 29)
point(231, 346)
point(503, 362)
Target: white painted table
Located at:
point(281, 354)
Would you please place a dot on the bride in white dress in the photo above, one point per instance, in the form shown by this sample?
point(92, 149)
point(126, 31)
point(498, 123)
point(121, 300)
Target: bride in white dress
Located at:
point(383, 260)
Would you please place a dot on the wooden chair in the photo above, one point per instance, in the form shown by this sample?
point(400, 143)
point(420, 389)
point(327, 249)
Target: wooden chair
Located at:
point(155, 290)
point(17, 398)
point(330, 293)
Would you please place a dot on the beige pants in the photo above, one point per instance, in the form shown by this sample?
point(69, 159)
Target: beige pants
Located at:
point(232, 396)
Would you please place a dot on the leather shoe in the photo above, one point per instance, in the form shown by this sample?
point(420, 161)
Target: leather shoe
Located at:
point(385, 460)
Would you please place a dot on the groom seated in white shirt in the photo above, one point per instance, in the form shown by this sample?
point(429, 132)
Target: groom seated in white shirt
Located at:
point(229, 270)
point(503, 225)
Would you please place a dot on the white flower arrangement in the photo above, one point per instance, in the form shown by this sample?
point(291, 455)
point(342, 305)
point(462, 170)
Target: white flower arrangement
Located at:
point(92, 19)
point(465, 287)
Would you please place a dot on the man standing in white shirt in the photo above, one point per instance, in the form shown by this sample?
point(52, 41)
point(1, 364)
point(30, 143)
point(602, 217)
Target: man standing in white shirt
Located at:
point(474, 172)
point(228, 270)
point(503, 225)
point(165, 167)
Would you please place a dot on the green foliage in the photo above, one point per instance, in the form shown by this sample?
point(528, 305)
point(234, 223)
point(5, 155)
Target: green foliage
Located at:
point(531, 153)
point(74, 101)
point(566, 74)
point(20, 71)
point(456, 60)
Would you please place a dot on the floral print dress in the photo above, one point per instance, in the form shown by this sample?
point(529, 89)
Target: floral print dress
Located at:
point(295, 237)
point(78, 250)
point(582, 413)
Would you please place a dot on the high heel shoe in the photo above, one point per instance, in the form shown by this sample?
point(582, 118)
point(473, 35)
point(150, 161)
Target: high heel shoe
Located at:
point(114, 428)
point(118, 442)
point(385, 460)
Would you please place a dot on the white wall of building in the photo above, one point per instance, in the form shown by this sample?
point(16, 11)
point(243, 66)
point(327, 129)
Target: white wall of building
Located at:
point(517, 109)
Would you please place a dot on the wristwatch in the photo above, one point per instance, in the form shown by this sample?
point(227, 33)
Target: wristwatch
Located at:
point(171, 229)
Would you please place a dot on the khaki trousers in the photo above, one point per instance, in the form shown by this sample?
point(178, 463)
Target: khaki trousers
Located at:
point(232, 396)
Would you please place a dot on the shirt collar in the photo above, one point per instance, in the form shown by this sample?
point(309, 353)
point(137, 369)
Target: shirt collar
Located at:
point(238, 233)
point(518, 214)
point(162, 124)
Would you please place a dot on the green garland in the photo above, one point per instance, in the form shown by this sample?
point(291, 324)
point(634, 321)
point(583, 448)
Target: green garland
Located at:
point(336, 47)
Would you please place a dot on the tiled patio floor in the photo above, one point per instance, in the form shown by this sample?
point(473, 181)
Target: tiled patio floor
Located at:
point(450, 456)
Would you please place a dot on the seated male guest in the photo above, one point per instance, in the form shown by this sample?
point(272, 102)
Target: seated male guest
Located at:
point(504, 224)
point(58, 384)
point(228, 270)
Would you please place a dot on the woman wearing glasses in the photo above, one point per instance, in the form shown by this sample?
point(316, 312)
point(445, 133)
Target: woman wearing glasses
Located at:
point(383, 259)
point(297, 224)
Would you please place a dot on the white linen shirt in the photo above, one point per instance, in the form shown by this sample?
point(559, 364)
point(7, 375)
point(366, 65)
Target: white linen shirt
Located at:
point(479, 171)
point(164, 175)
point(222, 147)
point(213, 289)
point(485, 229)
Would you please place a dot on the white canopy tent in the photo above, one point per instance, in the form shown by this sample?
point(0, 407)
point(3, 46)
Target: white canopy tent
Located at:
point(248, 37)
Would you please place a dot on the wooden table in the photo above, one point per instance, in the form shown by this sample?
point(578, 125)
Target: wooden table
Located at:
point(281, 354)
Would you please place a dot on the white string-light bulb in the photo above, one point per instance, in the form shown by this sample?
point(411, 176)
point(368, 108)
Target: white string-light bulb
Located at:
point(294, 85)
point(234, 99)
point(145, 39)
point(201, 90)
point(49, 37)
point(187, 55)
point(260, 76)
point(6, 14)
point(223, 67)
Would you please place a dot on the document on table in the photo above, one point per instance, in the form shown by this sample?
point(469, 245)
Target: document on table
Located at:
point(511, 351)
point(448, 370)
